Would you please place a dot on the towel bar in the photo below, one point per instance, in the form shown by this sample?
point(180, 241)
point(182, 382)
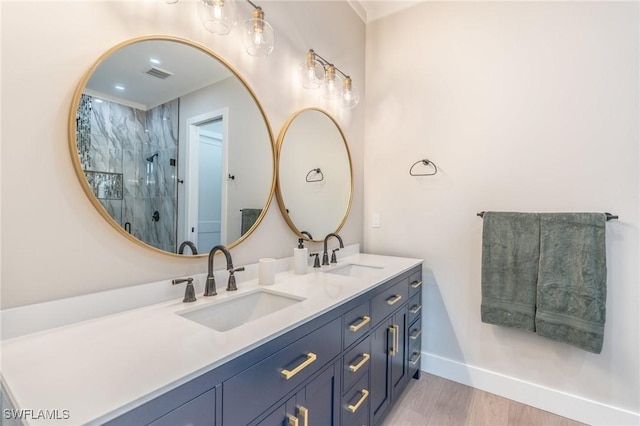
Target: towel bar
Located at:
point(609, 215)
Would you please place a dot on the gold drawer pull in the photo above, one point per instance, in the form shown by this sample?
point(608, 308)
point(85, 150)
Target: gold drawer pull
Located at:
point(354, 408)
point(363, 361)
point(415, 334)
point(394, 299)
point(415, 309)
point(304, 412)
point(292, 420)
point(416, 284)
point(289, 374)
point(364, 321)
point(417, 358)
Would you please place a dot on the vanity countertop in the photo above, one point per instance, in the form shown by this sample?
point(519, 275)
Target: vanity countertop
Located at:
point(101, 368)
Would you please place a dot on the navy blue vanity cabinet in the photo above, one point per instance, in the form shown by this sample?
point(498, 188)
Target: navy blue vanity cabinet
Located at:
point(345, 367)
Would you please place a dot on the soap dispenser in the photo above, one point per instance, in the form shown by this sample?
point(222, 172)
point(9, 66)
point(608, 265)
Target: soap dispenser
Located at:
point(301, 256)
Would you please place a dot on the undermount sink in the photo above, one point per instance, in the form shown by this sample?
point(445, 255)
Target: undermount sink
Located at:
point(232, 313)
point(354, 270)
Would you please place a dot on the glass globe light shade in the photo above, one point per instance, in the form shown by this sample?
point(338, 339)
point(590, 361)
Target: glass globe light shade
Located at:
point(311, 72)
point(218, 16)
point(349, 97)
point(332, 84)
point(258, 36)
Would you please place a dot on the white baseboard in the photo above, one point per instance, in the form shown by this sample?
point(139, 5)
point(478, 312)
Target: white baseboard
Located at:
point(561, 403)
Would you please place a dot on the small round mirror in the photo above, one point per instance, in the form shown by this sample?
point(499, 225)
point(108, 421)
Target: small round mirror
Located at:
point(315, 178)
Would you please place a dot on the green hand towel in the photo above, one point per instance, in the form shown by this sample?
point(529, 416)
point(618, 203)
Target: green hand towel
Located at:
point(571, 292)
point(510, 252)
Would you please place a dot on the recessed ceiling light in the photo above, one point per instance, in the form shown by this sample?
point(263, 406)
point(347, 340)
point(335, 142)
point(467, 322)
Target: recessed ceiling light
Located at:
point(119, 87)
point(98, 101)
point(154, 61)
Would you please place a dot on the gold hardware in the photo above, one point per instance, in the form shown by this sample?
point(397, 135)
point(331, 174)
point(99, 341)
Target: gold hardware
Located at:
point(363, 361)
point(414, 361)
point(393, 331)
point(354, 408)
point(415, 333)
point(304, 412)
point(355, 327)
point(289, 374)
point(415, 309)
point(292, 420)
point(416, 284)
point(397, 337)
point(394, 299)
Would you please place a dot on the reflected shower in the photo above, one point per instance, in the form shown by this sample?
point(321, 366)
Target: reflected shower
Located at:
point(150, 159)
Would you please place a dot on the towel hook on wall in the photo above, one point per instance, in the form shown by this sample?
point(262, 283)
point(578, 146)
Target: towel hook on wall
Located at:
point(426, 163)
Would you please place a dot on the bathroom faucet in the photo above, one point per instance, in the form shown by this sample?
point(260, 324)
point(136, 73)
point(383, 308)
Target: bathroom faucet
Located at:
point(192, 246)
point(210, 286)
point(325, 255)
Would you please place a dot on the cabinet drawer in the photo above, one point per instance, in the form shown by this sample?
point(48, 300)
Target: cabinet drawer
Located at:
point(357, 323)
point(356, 363)
point(388, 301)
point(415, 333)
point(415, 307)
point(414, 359)
point(249, 393)
point(356, 401)
point(415, 283)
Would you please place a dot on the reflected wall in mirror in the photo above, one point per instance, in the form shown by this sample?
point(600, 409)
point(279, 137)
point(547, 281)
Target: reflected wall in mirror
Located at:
point(315, 178)
point(171, 145)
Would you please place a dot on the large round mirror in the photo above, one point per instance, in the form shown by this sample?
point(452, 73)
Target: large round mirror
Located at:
point(315, 178)
point(172, 146)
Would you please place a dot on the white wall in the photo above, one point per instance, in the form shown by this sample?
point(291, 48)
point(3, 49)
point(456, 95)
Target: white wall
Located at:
point(55, 244)
point(523, 106)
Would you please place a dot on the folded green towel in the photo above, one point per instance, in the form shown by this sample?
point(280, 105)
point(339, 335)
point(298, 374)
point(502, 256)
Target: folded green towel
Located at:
point(571, 291)
point(510, 252)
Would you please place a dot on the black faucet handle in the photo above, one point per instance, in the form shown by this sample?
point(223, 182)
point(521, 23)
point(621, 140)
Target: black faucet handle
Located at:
point(316, 262)
point(189, 292)
point(231, 284)
point(333, 255)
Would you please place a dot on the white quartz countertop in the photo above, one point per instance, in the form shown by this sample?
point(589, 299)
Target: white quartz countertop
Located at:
point(101, 368)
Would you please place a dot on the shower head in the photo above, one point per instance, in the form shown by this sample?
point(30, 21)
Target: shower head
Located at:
point(150, 159)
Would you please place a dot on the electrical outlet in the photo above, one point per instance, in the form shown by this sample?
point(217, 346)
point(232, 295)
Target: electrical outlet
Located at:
point(375, 221)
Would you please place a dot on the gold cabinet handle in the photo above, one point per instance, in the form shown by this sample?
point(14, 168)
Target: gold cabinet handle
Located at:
point(304, 412)
point(292, 420)
point(395, 331)
point(416, 284)
point(364, 321)
point(353, 408)
point(287, 374)
point(415, 360)
point(358, 366)
point(397, 336)
point(415, 309)
point(394, 299)
point(415, 334)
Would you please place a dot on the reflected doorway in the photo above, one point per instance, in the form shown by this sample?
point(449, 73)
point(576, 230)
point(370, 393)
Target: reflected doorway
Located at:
point(206, 187)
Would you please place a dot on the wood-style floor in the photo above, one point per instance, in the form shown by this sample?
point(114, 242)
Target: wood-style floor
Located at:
point(435, 401)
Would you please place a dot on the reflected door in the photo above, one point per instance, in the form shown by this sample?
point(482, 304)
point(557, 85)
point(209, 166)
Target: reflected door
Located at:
point(210, 186)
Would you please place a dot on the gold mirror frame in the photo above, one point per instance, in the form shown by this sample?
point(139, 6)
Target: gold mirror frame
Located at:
point(279, 194)
point(73, 143)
